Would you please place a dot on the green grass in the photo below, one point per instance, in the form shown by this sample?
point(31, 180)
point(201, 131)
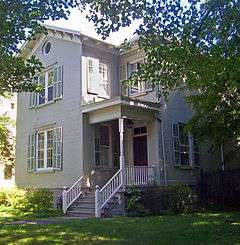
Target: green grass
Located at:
point(209, 228)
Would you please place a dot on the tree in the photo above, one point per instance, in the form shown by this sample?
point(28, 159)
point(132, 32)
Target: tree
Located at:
point(20, 20)
point(195, 46)
point(6, 143)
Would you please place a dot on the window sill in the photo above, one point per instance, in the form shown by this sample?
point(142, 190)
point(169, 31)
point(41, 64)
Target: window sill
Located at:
point(39, 171)
point(45, 104)
point(140, 93)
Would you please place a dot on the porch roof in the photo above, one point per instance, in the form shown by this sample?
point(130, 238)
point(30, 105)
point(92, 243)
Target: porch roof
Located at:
point(119, 107)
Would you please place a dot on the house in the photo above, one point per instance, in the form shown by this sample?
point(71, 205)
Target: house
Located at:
point(85, 130)
point(8, 109)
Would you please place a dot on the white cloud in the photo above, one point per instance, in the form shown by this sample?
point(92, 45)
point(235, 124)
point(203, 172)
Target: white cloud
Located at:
point(77, 21)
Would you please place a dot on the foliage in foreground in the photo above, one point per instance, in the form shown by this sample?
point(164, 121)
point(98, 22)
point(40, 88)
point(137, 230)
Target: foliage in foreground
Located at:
point(176, 199)
point(28, 201)
point(195, 46)
point(6, 143)
point(20, 21)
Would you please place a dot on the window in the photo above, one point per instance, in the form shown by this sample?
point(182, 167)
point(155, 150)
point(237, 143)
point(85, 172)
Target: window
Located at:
point(186, 149)
point(140, 130)
point(102, 146)
point(46, 48)
point(97, 77)
point(45, 149)
point(103, 71)
point(139, 86)
point(103, 90)
point(90, 66)
point(46, 145)
point(51, 82)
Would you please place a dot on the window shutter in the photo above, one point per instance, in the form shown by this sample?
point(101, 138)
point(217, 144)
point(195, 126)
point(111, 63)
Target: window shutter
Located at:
point(32, 97)
point(176, 145)
point(58, 82)
point(31, 153)
point(57, 148)
point(92, 75)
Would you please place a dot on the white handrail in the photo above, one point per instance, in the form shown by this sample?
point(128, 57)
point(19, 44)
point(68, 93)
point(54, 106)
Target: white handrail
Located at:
point(107, 192)
point(69, 196)
point(139, 175)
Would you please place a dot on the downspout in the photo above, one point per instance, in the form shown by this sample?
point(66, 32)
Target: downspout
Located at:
point(163, 150)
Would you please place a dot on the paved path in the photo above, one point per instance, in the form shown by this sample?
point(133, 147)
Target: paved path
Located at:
point(54, 220)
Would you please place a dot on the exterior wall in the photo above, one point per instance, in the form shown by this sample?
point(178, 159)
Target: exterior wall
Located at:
point(64, 113)
point(105, 56)
point(78, 132)
point(177, 110)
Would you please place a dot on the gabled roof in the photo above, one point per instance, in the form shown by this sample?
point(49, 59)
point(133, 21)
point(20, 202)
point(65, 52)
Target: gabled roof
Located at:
point(67, 34)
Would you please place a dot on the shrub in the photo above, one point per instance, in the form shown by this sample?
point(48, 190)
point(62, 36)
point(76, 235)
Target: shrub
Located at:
point(134, 206)
point(3, 198)
point(16, 198)
point(181, 199)
point(37, 201)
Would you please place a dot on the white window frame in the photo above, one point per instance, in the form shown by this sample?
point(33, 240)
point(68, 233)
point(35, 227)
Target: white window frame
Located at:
point(104, 80)
point(190, 145)
point(141, 87)
point(45, 149)
point(45, 73)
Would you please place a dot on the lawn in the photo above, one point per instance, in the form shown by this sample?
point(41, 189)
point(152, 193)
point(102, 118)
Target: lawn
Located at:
point(211, 228)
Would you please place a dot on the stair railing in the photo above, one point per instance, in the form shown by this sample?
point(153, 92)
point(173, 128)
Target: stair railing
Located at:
point(102, 196)
point(69, 196)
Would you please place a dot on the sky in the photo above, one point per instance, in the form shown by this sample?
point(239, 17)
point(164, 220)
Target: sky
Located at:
point(78, 22)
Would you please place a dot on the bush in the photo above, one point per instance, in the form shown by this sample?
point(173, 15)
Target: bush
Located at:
point(134, 206)
point(181, 199)
point(36, 201)
point(3, 198)
point(16, 198)
point(39, 200)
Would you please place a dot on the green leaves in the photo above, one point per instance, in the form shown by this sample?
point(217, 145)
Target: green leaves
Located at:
point(21, 20)
point(196, 46)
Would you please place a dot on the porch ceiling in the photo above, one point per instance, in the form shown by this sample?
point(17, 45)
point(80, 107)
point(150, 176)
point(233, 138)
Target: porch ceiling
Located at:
point(120, 107)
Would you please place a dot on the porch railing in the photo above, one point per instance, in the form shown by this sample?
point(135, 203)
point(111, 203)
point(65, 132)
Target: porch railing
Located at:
point(107, 192)
point(129, 176)
point(139, 175)
point(69, 196)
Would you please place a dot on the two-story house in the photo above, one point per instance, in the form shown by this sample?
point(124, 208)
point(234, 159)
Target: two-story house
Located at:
point(85, 129)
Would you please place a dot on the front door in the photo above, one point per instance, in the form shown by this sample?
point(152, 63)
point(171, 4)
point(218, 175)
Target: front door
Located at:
point(140, 150)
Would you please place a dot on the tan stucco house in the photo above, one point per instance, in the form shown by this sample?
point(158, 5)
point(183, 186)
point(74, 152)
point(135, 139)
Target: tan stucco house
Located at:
point(86, 130)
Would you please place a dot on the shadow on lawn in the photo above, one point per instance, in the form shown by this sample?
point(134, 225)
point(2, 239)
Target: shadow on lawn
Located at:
point(221, 228)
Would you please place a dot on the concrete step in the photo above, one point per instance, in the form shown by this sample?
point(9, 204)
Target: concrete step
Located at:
point(79, 205)
point(82, 210)
point(80, 215)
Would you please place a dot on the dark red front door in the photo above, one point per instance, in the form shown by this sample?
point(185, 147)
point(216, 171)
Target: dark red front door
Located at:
point(140, 150)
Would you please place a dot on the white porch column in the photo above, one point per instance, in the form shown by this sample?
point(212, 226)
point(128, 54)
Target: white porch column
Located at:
point(121, 157)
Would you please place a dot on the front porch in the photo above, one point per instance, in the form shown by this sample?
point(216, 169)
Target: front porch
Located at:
point(120, 149)
point(121, 134)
